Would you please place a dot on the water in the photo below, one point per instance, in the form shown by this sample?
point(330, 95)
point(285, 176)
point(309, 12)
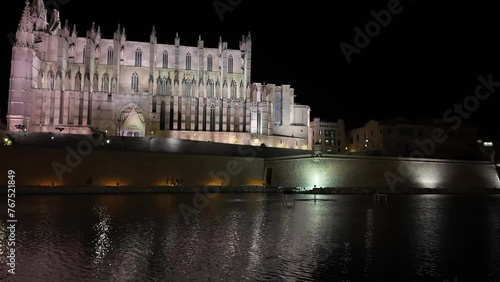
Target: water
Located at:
point(254, 237)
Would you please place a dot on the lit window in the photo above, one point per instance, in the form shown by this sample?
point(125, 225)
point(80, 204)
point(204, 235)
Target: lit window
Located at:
point(135, 82)
point(188, 61)
point(138, 57)
point(211, 89)
point(209, 63)
point(110, 55)
point(165, 60)
point(163, 86)
point(84, 57)
point(233, 89)
point(230, 64)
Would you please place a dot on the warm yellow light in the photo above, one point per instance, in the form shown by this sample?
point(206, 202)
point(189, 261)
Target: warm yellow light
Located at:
point(254, 182)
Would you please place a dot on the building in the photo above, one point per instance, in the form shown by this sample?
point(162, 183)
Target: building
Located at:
point(422, 139)
point(330, 135)
point(66, 83)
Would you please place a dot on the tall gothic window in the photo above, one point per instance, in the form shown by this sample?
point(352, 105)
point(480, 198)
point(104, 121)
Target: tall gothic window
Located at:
point(211, 89)
point(164, 86)
point(210, 62)
point(228, 122)
point(162, 116)
point(188, 61)
point(105, 83)
point(165, 60)
point(84, 57)
point(212, 118)
point(188, 88)
point(110, 55)
point(230, 64)
point(138, 57)
point(233, 89)
point(135, 82)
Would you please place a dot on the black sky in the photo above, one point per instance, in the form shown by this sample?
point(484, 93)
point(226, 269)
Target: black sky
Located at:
point(425, 60)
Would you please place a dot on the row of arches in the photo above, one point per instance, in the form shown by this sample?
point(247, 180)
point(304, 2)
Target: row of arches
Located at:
point(164, 58)
point(164, 87)
point(105, 84)
point(211, 117)
point(54, 81)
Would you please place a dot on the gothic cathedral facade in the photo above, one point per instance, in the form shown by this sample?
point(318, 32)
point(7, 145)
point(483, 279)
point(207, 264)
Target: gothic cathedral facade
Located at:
point(144, 89)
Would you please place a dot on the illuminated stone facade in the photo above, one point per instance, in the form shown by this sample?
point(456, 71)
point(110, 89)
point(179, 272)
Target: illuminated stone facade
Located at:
point(143, 89)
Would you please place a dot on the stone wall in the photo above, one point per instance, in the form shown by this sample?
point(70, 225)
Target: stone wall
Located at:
point(109, 168)
point(381, 172)
point(74, 167)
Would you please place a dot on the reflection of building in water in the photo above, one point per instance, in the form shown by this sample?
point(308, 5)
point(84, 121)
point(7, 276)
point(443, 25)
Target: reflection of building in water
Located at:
point(129, 88)
point(102, 229)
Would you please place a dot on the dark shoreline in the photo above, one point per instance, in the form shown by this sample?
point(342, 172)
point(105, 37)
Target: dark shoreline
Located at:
point(75, 190)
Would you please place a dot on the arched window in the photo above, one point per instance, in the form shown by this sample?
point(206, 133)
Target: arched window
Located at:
point(212, 118)
point(138, 57)
point(84, 54)
point(153, 106)
point(204, 126)
point(162, 116)
point(51, 79)
point(230, 64)
point(188, 61)
point(210, 62)
point(188, 88)
point(211, 89)
point(78, 81)
point(105, 83)
point(233, 89)
point(110, 55)
point(228, 123)
point(165, 60)
point(135, 82)
point(163, 86)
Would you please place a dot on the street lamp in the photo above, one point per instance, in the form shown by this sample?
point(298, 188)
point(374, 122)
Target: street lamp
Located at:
point(60, 129)
point(19, 127)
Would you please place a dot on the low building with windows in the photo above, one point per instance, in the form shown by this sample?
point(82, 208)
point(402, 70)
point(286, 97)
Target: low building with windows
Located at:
point(420, 139)
point(144, 89)
point(330, 135)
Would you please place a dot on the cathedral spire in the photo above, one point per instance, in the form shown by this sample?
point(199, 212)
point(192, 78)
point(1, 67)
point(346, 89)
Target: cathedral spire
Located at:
point(25, 22)
point(38, 7)
point(152, 39)
point(24, 34)
point(39, 15)
point(73, 31)
point(177, 39)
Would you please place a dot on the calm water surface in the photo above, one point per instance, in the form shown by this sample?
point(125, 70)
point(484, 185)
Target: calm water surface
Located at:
point(254, 237)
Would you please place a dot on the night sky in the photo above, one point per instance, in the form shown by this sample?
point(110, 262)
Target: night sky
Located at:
point(427, 57)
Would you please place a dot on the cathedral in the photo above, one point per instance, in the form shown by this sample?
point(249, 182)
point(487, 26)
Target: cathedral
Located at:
point(69, 84)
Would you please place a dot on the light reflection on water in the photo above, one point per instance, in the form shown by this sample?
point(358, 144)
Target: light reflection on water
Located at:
point(255, 237)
